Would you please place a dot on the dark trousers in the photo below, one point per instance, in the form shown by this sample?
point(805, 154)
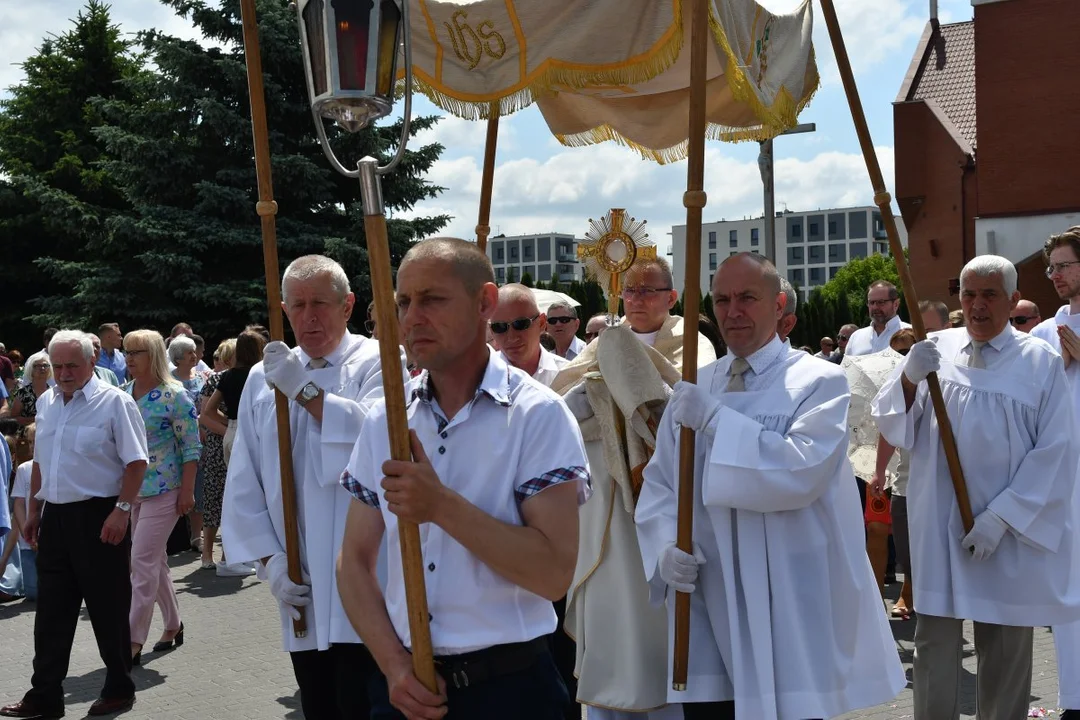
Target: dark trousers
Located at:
point(709, 711)
point(74, 566)
point(536, 693)
point(564, 650)
point(334, 682)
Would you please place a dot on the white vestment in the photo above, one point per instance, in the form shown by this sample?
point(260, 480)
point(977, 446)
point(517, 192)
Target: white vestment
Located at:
point(252, 526)
point(621, 638)
point(786, 618)
point(1014, 430)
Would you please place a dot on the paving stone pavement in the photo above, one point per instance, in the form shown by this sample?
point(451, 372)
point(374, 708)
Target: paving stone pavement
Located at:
point(231, 666)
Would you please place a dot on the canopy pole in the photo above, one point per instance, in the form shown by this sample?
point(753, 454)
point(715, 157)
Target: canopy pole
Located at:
point(483, 226)
point(267, 209)
point(884, 202)
point(694, 200)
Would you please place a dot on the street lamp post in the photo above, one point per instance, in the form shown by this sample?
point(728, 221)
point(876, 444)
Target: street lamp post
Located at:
point(765, 166)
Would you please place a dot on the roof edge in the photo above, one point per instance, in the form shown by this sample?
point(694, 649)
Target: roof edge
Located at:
point(918, 62)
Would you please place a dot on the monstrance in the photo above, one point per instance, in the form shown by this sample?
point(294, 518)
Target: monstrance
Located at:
point(614, 244)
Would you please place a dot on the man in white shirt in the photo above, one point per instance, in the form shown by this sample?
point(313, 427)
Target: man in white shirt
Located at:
point(562, 324)
point(498, 471)
point(786, 622)
point(1009, 404)
point(517, 324)
point(842, 339)
point(331, 379)
point(89, 461)
point(884, 302)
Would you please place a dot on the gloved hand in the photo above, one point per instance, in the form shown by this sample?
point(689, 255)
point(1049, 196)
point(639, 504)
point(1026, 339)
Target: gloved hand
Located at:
point(284, 370)
point(678, 569)
point(922, 359)
point(984, 537)
point(692, 406)
point(284, 589)
point(578, 402)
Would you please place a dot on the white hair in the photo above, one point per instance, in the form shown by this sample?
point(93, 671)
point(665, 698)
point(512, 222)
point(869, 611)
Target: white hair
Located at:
point(180, 345)
point(988, 265)
point(562, 305)
point(792, 296)
point(28, 366)
point(67, 337)
point(308, 267)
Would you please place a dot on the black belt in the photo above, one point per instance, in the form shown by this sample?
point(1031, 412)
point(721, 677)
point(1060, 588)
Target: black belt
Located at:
point(480, 666)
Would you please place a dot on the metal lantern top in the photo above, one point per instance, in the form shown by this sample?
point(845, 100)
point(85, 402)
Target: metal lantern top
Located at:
point(350, 58)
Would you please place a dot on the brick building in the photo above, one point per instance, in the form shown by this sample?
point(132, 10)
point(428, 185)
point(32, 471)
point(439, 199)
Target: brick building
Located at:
point(987, 148)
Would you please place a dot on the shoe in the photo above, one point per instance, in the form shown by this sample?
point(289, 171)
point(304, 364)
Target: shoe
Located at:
point(207, 565)
point(136, 659)
point(177, 640)
point(25, 709)
point(234, 570)
point(109, 706)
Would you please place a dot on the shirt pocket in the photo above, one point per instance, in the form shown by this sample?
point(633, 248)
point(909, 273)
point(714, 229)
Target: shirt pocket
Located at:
point(89, 439)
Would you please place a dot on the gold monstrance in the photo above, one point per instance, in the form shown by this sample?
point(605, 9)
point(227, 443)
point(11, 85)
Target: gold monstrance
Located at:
point(612, 249)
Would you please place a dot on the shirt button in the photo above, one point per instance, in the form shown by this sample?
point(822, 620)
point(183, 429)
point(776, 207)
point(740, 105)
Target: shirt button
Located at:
point(431, 567)
point(442, 450)
point(443, 435)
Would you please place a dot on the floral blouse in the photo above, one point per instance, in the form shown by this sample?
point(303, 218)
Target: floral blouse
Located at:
point(172, 436)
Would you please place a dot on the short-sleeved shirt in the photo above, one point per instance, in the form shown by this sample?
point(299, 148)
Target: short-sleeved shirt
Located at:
point(231, 387)
point(172, 436)
point(82, 446)
point(515, 439)
point(20, 491)
point(25, 395)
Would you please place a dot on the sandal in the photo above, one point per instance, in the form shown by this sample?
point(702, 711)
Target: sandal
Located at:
point(197, 544)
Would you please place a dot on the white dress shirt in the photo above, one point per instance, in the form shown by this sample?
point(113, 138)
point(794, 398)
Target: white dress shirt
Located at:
point(20, 491)
point(576, 346)
point(866, 340)
point(83, 446)
point(549, 367)
point(512, 441)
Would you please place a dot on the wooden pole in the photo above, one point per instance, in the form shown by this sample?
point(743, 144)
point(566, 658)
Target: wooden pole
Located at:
point(884, 203)
point(694, 200)
point(267, 209)
point(483, 222)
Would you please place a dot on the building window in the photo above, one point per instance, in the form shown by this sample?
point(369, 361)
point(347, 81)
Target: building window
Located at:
point(733, 253)
point(838, 253)
point(817, 254)
point(712, 261)
point(513, 252)
point(499, 254)
point(796, 230)
point(857, 224)
point(528, 251)
point(813, 229)
point(881, 248)
point(833, 270)
point(832, 227)
point(733, 238)
point(817, 276)
point(500, 274)
point(753, 236)
point(857, 250)
point(710, 279)
point(795, 256)
point(796, 276)
point(712, 239)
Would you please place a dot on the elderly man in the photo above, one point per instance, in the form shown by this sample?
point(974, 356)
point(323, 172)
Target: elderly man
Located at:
point(330, 380)
point(112, 350)
point(1009, 404)
point(562, 324)
point(617, 388)
point(776, 521)
point(1025, 316)
point(89, 461)
point(787, 320)
point(827, 347)
point(103, 373)
point(884, 302)
point(517, 325)
point(595, 327)
point(843, 337)
point(497, 471)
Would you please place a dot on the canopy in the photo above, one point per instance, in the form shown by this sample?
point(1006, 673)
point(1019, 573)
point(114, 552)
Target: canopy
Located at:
point(616, 69)
point(546, 298)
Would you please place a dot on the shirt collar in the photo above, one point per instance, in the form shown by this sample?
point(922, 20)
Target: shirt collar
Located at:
point(1000, 340)
point(763, 357)
point(335, 358)
point(893, 325)
point(547, 361)
point(89, 390)
point(1063, 312)
point(495, 383)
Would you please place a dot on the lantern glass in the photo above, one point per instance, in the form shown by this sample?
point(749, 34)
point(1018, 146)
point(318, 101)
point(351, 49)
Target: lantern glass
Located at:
point(316, 41)
point(352, 19)
point(389, 39)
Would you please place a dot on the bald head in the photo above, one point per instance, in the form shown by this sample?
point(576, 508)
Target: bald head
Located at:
point(467, 262)
point(518, 293)
point(1025, 316)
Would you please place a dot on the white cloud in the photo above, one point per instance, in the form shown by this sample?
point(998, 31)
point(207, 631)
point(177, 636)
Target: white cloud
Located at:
point(874, 33)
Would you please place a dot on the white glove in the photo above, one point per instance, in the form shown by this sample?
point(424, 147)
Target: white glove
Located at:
point(284, 589)
point(692, 406)
point(578, 402)
point(678, 569)
point(985, 535)
point(284, 370)
point(922, 359)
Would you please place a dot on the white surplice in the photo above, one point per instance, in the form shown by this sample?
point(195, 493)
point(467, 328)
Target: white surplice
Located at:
point(786, 606)
point(251, 524)
point(1015, 433)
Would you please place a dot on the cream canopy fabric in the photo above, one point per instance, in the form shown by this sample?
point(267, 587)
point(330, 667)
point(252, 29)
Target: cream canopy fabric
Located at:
point(616, 69)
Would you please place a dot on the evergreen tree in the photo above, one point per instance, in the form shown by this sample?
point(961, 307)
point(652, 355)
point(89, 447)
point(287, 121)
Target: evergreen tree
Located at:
point(527, 279)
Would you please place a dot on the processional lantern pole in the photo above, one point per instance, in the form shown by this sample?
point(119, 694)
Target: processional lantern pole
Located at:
point(350, 61)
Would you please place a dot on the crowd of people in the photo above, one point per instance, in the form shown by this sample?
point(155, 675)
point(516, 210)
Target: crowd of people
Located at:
point(545, 478)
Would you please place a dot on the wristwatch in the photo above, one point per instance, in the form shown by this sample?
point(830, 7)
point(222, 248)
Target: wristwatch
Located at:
point(308, 393)
point(123, 506)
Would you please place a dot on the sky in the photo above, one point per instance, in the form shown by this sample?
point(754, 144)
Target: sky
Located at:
point(541, 186)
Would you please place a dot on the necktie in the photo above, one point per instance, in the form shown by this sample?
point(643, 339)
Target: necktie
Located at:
point(976, 359)
point(736, 381)
point(317, 363)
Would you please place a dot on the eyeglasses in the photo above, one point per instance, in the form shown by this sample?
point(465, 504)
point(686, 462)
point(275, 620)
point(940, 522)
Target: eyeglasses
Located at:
point(521, 324)
point(843, 338)
point(41, 368)
point(1024, 319)
point(1059, 267)
point(875, 303)
point(133, 353)
point(369, 326)
point(644, 293)
point(564, 320)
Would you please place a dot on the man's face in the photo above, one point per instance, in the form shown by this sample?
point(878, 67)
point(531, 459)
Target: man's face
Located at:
point(594, 328)
point(827, 346)
point(70, 369)
point(318, 315)
point(96, 341)
point(932, 321)
point(562, 325)
point(986, 306)
point(746, 307)
point(111, 339)
point(882, 308)
point(1025, 316)
point(521, 347)
point(647, 298)
point(440, 320)
point(1066, 279)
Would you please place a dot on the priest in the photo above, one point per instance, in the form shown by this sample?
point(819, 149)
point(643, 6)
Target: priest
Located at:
point(1010, 408)
point(786, 622)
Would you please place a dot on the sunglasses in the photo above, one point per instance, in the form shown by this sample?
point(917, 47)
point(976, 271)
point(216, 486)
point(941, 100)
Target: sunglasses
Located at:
point(521, 324)
point(565, 320)
point(1023, 319)
point(843, 338)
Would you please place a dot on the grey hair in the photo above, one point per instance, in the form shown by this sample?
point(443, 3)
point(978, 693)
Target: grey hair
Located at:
point(307, 267)
point(180, 345)
point(67, 337)
point(988, 265)
point(29, 364)
point(792, 297)
point(562, 305)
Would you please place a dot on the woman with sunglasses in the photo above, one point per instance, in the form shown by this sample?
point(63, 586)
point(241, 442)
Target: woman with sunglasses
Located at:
point(23, 406)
